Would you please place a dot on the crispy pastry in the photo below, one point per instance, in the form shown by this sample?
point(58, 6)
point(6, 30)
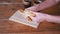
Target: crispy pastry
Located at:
point(28, 19)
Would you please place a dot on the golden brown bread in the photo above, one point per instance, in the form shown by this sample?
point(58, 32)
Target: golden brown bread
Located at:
point(28, 19)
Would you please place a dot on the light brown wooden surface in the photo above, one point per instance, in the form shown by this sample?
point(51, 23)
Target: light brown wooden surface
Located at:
point(11, 27)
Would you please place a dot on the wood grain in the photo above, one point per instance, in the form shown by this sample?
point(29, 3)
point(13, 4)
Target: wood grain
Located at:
point(7, 26)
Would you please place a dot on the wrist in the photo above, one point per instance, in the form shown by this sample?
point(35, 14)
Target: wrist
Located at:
point(49, 18)
point(55, 19)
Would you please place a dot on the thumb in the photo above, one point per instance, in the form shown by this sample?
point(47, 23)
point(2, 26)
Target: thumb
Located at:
point(34, 19)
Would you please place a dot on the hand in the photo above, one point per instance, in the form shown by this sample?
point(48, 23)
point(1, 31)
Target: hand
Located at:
point(39, 17)
point(32, 8)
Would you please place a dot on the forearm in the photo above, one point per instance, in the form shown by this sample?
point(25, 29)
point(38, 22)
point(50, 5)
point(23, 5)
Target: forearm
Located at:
point(46, 4)
point(55, 19)
point(43, 5)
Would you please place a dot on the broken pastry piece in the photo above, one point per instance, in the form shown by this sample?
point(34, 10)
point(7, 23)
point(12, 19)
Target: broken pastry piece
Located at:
point(28, 13)
point(21, 11)
point(28, 19)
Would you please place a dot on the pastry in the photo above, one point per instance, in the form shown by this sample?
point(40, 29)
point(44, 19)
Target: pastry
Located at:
point(28, 19)
point(21, 11)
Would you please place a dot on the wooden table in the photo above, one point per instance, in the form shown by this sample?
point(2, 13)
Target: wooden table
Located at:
point(11, 27)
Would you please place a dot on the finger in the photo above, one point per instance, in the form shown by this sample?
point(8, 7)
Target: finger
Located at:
point(29, 11)
point(33, 12)
point(34, 19)
point(33, 15)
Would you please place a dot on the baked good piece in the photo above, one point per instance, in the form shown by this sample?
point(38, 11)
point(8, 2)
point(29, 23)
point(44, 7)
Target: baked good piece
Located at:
point(27, 14)
point(21, 11)
point(28, 19)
